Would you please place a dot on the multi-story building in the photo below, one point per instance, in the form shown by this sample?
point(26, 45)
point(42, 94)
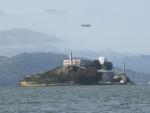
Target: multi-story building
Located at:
point(71, 62)
point(68, 63)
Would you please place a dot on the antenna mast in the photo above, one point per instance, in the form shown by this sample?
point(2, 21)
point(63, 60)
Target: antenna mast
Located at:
point(124, 67)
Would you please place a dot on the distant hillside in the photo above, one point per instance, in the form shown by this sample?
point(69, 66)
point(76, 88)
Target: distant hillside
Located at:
point(12, 69)
point(139, 64)
point(136, 63)
point(111, 55)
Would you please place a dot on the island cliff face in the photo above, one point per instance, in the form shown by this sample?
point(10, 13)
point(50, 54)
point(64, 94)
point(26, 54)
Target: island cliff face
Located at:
point(86, 72)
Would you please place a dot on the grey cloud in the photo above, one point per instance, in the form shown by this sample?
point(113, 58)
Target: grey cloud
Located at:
point(54, 11)
point(25, 37)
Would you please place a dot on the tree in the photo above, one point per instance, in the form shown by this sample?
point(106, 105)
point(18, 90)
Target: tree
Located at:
point(95, 64)
point(107, 65)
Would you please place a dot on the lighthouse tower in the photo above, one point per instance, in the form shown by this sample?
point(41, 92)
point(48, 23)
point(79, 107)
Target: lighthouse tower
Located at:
point(71, 57)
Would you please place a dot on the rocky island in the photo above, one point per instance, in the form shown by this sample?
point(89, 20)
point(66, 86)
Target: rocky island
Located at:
point(78, 72)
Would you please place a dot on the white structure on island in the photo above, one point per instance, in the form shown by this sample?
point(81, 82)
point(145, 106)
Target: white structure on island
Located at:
point(102, 60)
point(71, 62)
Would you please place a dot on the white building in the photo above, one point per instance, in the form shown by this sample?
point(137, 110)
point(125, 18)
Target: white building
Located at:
point(68, 63)
point(102, 60)
point(71, 62)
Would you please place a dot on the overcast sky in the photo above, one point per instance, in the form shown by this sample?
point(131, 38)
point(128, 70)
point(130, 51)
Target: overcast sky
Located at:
point(119, 25)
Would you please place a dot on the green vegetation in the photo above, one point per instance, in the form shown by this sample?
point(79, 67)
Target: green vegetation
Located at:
point(107, 65)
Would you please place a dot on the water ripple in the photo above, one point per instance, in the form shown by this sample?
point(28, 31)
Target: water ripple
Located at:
point(75, 99)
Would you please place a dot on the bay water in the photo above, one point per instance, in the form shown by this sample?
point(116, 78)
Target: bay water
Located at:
point(76, 99)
